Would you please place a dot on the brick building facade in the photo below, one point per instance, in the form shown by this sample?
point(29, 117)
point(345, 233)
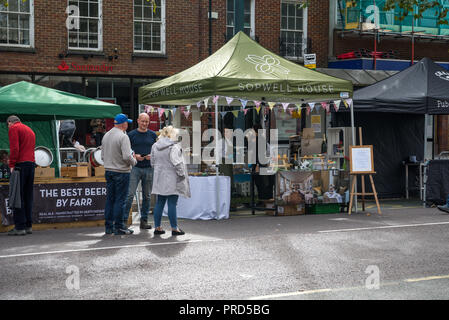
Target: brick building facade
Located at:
point(116, 67)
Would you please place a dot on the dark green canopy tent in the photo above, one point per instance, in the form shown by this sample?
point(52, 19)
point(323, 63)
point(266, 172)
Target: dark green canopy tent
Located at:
point(244, 69)
point(34, 102)
point(39, 107)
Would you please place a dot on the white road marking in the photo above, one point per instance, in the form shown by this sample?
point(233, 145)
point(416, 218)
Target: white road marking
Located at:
point(386, 227)
point(105, 248)
point(200, 240)
point(297, 293)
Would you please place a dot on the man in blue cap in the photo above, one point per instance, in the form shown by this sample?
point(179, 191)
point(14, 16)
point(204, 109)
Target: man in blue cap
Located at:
point(118, 161)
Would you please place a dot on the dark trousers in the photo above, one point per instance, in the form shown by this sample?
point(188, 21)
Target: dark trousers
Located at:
point(264, 184)
point(23, 217)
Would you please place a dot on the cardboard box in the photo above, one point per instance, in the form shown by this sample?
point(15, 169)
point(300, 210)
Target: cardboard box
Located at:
point(81, 170)
point(311, 146)
point(308, 133)
point(44, 172)
point(99, 171)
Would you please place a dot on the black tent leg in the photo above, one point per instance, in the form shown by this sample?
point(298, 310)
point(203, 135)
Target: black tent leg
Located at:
point(252, 192)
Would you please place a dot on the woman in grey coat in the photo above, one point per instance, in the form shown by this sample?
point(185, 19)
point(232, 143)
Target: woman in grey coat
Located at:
point(170, 179)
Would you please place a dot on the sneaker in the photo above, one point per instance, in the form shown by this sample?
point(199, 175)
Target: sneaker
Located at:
point(109, 231)
point(177, 233)
point(123, 232)
point(29, 230)
point(15, 232)
point(144, 224)
point(444, 208)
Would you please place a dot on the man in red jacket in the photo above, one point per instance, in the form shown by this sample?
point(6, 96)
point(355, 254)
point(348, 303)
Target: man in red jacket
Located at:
point(22, 142)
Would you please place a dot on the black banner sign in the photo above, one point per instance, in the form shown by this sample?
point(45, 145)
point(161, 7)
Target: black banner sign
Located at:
point(61, 202)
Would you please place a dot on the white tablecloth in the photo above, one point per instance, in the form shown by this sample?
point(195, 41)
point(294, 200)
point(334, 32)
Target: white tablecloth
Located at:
point(202, 205)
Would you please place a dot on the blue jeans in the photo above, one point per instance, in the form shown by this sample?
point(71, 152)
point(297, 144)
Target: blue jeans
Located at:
point(145, 176)
point(159, 207)
point(115, 199)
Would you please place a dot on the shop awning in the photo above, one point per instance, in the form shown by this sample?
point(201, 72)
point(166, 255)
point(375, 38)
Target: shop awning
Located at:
point(420, 89)
point(34, 102)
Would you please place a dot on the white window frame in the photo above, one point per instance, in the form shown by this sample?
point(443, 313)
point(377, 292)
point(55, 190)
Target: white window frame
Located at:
point(252, 32)
point(31, 45)
point(100, 30)
point(304, 30)
point(163, 29)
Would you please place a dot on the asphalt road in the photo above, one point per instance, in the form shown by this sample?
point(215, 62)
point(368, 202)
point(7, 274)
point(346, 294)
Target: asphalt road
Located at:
point(403, 254)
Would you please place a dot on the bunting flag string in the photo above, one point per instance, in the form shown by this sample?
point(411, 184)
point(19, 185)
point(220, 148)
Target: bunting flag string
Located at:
point(294, 111)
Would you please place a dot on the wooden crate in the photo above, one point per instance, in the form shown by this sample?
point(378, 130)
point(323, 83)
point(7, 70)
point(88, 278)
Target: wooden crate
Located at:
point(288, 210)
point(99, 171)
point(44, 172)
point(80, 171)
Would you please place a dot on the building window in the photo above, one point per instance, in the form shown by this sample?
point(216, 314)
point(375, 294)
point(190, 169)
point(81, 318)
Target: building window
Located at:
point(17, 23)
point(293, 29)
point(249, 18)
point(89, 34)
point(149, 26)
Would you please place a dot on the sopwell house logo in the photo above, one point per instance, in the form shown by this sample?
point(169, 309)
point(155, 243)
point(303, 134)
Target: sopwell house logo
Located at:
point(443, 75)
point(63, 66)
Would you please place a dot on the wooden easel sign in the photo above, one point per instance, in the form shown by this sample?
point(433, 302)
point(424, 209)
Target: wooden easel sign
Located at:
point(361, 160)
point(361, 164)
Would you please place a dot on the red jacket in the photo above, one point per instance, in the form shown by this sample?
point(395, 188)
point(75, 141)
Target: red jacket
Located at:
point(22, 142)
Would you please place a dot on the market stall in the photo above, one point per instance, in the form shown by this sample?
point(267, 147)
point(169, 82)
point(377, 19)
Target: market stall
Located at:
point(243, 76)
point(396, 115)
point(63, 192)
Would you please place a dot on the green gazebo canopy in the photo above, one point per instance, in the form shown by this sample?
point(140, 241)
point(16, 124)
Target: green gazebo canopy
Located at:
point(34, 102)
point(244, 69)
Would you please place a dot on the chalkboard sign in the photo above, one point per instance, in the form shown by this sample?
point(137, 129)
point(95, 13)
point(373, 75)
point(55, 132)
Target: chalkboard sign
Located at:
point(361, 159)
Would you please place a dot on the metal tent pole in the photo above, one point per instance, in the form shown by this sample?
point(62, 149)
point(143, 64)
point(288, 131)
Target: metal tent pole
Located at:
point(353, 143)
point(217, 184)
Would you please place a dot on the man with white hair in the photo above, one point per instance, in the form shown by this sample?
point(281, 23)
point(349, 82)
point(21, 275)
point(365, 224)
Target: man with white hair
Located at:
point(142, 139)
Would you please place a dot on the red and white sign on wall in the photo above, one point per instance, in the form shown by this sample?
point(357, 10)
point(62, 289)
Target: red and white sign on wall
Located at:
point(84, 67)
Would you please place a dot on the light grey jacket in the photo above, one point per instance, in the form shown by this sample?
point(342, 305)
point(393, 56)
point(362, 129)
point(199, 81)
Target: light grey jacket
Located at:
point(170, 175)
point(116, 151)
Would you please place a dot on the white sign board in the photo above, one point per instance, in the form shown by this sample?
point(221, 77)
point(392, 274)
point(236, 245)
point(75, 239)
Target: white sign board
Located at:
point(361, 158)
point(310, 60)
